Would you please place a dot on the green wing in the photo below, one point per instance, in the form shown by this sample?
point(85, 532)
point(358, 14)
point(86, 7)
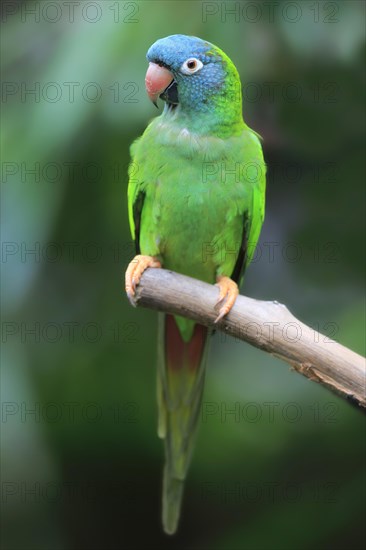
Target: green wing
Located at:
point(245, 216)
point(135, 196)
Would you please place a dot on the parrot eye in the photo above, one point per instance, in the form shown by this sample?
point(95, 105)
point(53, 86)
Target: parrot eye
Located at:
point(191, 66)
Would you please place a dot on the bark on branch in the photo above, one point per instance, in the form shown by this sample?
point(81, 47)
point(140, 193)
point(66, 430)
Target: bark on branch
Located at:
point(266, 325)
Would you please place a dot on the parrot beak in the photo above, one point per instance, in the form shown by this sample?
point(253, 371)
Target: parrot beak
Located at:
point(157, 80)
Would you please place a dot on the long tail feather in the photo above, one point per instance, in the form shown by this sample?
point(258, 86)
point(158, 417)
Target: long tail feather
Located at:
point(172, 501)
point(181, 372)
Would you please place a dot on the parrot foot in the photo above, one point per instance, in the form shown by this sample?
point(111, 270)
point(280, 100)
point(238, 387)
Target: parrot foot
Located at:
point(134, 273)
point(228, 294)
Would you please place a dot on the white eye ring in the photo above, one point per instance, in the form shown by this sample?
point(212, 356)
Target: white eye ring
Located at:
point(191, 66)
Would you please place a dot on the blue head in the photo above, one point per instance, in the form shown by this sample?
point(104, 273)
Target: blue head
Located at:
point(193, 73)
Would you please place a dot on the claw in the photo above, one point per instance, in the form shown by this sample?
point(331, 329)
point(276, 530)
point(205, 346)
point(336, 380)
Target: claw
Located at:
point(222, 294)
point(134, 273)
point(227, 296)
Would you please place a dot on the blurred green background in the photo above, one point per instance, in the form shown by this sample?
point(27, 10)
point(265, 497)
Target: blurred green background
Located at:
point(81, 460)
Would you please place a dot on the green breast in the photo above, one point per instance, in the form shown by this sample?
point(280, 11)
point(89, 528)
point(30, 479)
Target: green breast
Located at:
point(195, 196)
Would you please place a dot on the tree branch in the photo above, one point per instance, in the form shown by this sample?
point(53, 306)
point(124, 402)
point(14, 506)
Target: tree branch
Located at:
point(266, 325)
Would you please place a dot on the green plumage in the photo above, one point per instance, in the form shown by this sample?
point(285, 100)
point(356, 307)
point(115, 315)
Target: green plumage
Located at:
point(196, 202)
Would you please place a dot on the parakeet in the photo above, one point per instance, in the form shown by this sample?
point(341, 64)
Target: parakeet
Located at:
point(196, 198)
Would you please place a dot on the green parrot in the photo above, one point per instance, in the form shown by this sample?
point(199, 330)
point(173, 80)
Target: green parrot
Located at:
point(196, 198)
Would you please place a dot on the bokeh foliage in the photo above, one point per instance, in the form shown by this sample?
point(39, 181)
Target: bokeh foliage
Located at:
point(294, 480)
